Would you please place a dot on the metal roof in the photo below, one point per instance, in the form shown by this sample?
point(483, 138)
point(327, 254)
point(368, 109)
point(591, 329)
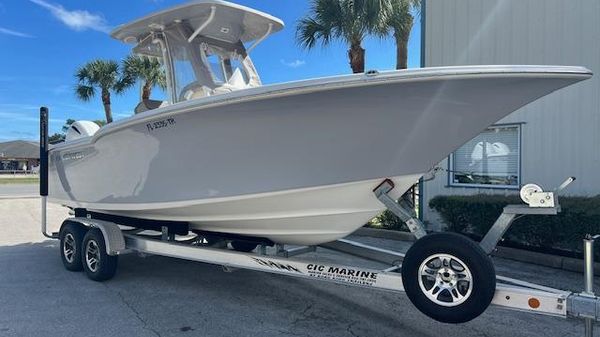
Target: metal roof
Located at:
point(21, 149)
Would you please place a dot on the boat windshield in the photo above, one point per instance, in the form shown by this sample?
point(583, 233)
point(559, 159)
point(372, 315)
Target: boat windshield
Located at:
point(207, 67)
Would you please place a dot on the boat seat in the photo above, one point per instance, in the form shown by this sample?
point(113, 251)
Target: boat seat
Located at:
point(236, 82)
point(148, 104)
point(198, 92)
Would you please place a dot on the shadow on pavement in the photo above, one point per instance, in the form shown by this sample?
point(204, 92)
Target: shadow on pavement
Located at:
point(159, 296)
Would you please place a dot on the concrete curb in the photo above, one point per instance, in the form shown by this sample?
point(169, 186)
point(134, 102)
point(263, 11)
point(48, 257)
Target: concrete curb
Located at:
point(546, 260)
point(541, 259)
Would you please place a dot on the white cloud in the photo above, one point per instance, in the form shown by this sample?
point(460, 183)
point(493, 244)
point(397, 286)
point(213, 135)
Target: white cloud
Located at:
point(80, 108)
point(17, 106)
point(78, 20)
point(20, 121)
point(123, 114)
point(61, 89)
point(23, 117)
point(293, 64)
point(7, 31)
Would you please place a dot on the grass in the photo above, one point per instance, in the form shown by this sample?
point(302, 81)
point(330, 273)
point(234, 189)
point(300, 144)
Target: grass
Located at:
point(26, 180)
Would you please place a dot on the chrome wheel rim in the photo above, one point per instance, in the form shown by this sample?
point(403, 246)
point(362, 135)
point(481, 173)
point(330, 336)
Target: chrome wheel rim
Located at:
point(69, 247)
point(92, 255)
point(445, 280)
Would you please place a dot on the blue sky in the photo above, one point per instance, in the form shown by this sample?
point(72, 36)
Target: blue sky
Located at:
point(44, 41)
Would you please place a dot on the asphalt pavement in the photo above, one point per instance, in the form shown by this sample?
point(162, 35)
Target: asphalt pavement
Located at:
point(160, 296)
point(19, 190)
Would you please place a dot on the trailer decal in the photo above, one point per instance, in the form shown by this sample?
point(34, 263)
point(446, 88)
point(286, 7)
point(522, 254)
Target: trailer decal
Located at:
point(276, 265)
point(347, 275)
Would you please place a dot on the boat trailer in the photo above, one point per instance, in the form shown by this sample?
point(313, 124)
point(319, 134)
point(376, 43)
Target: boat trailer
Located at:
point(93, 245)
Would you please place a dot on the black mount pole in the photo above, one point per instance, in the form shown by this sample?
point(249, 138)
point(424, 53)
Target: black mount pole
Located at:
point(44, 151)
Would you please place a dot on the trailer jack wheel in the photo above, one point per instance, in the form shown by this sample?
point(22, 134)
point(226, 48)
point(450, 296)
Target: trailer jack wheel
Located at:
point(71, 236)
point(98, 265)
point(448, 277)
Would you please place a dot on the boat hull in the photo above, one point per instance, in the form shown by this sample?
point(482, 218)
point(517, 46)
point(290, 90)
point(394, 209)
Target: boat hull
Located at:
point(303, 216)
point(294, 163)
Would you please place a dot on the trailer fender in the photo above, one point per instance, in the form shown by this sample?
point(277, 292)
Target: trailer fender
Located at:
point(113, 237)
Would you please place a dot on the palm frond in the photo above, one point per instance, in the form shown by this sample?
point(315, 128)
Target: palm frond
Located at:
point(346, 20)
point(123, 84)
point(143, 68)
point(310, 31)
point(85, 92)
point(83, 74)
point(103, 74)
point(401, 19)
point(416, 6)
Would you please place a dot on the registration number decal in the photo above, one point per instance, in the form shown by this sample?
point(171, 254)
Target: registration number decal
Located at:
point(163, 123)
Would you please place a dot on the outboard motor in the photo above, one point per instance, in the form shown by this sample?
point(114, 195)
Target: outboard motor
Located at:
point(81, 129)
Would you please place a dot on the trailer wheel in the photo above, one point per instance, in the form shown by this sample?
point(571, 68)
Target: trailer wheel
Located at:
point(98, 265)
point(243, 246)
point(448, 277)
point(71, 236)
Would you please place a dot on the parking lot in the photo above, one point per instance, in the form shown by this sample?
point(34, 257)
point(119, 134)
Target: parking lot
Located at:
point(18, 190)
point(159, 296)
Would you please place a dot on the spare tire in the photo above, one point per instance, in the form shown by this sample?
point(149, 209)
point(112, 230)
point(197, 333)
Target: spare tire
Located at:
point(448, 277)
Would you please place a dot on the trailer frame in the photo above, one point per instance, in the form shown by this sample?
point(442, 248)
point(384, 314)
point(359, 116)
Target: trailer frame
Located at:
point(510, 293)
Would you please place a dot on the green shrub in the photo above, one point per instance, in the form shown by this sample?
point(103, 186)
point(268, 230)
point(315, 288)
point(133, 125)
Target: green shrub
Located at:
point(388, 220)
point(476, 214)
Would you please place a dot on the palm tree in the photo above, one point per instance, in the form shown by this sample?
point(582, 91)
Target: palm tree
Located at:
point(100, 75)
point(400, 21)
point(346, 20)
point(145, 69)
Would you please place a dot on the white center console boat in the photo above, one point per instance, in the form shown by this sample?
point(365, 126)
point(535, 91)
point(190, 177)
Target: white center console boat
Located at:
point(303, 163)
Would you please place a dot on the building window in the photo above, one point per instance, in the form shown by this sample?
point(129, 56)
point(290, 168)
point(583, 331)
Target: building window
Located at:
point(492, 159)
point(9, 165)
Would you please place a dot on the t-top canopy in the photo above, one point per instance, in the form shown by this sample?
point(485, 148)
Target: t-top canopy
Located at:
point(215, 19)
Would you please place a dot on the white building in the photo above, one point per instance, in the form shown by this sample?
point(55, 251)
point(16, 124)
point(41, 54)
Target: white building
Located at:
point(546, 141)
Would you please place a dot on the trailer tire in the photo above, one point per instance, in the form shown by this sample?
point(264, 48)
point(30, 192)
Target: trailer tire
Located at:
point(71, 236)
point(243, 246)
point(98, 265)
point(448, 277)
